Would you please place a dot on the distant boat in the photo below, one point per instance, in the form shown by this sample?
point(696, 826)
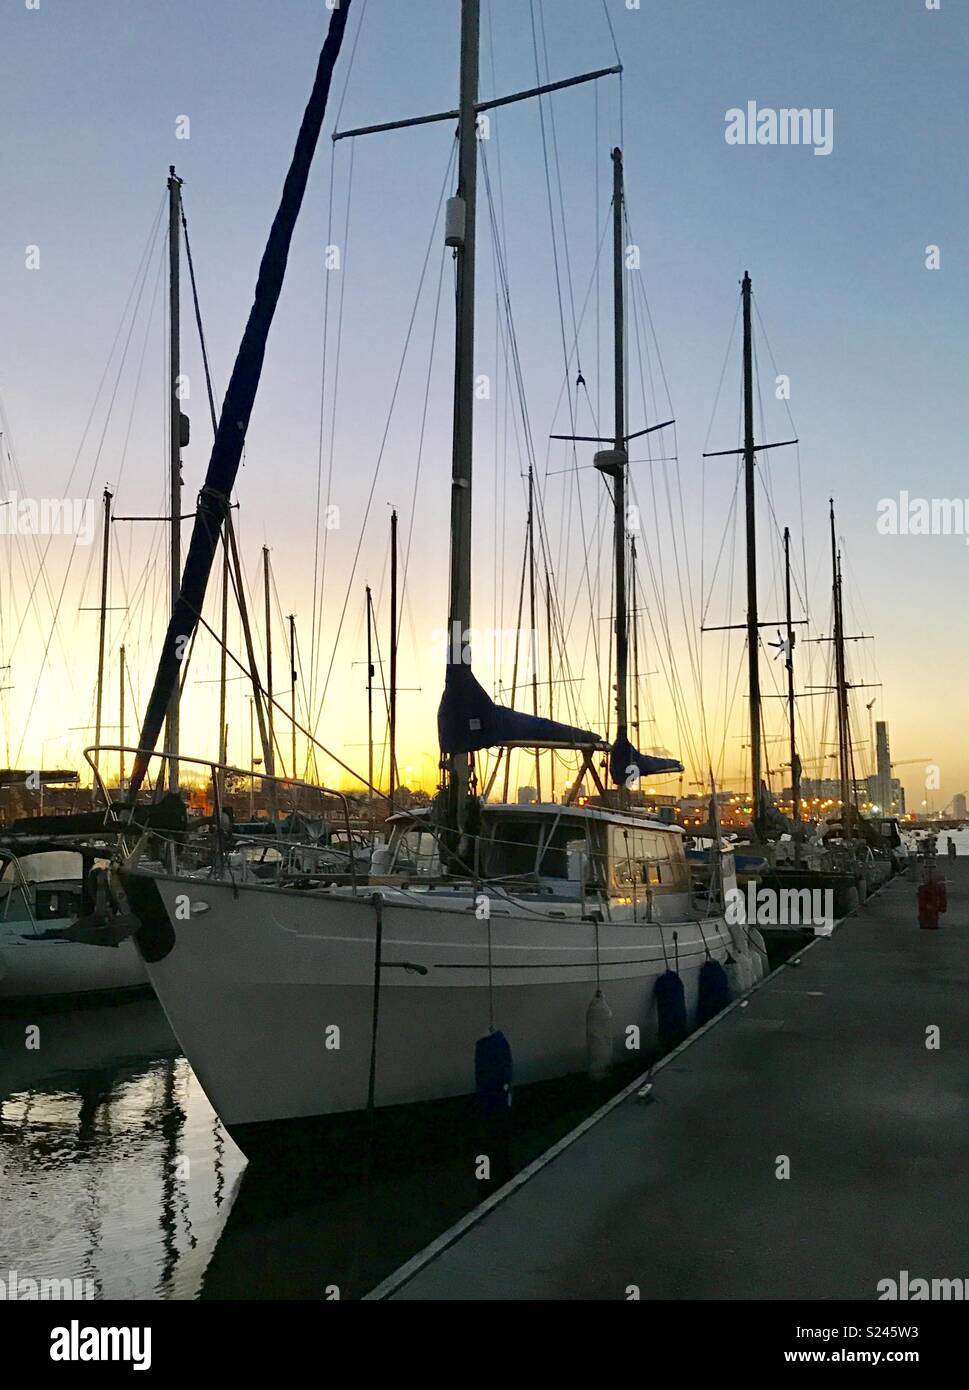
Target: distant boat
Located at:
point(795, 855)
point(43, 894)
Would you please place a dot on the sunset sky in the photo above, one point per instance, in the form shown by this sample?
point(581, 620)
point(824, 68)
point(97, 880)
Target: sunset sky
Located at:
point(93, 99)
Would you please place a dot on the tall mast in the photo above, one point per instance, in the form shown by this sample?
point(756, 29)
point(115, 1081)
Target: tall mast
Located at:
point(841, 684)
point(121, 676)
point(252, 763)
point(239, 585)
point(622, 633)
point(635, 630)
point(223, 751)
point(393, 658)
point(534, 630)
point(269, 656)
point(175, 451)
point(292, 677)
point(753, 655)
point(551, 703)
point(459, 600)
point(612, 462)
point(102, 627)
point(795, 768)
point(370, 689)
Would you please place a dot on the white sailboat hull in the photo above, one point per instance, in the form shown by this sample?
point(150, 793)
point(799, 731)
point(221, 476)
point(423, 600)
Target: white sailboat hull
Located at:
point(38, 969)
point(271, 993)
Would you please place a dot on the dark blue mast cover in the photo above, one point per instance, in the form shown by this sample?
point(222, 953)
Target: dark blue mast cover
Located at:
point(625, 759)
point(468, 719)
point(239, 399)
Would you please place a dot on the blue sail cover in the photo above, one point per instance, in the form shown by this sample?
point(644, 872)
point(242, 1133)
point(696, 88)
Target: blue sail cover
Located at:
point(625, 758)
point(237, 407)
point(468, 720)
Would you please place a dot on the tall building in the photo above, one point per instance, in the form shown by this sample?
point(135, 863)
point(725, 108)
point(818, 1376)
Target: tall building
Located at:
point(959, 806)
point(895, 805)
point(883, 768)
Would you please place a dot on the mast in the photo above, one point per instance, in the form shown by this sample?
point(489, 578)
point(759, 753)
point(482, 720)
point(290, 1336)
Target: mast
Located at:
point(175, 452)
point(292, 677)
point(240, 592)
point(612, 462)
point(795, 767)
point(269, 654)
point(551, 706)
point(465, 208)
point(393, 658)
point(370, 690)
point(622, 633)
point(841, 684)
point(223, 751)
point(102, 629)
point(753, 654)
point(121, 720)
point(635, 630)
point(534, 629)
point(252, 764)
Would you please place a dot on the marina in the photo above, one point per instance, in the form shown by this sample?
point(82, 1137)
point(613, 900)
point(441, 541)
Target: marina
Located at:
point(824, 1065)
point(460, 832)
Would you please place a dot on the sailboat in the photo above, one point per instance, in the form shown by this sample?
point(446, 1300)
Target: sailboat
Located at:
point(63, 925)
point(791, 853)
point(45, 891)
point(277, 994)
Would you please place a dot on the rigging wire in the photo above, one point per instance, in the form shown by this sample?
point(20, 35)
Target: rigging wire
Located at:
point(141, 282)
point(386, 430)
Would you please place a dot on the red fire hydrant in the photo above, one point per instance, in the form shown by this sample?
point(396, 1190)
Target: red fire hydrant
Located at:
point(928, 900)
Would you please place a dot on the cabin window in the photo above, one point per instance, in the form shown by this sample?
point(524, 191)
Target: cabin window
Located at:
point(513, 846)
point(645, 858)
point(416, 852)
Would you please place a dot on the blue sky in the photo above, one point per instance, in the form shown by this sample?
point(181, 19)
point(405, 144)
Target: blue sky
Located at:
point(874, 343)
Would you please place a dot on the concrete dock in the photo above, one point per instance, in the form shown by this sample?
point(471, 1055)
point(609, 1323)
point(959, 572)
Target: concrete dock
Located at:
point(828, 1065)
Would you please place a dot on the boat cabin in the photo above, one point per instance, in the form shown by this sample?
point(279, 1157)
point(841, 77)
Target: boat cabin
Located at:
point(571, 851)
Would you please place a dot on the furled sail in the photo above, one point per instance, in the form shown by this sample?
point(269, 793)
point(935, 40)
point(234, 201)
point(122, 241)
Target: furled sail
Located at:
point(239, 399)
point(468, 719)
point(625, 761)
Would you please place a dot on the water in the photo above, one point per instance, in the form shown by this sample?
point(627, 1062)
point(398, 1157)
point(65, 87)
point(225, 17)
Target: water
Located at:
point(115, 1170)
point(961, 838)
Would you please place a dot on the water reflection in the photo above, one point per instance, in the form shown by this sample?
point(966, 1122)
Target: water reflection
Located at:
point(114, 1169)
